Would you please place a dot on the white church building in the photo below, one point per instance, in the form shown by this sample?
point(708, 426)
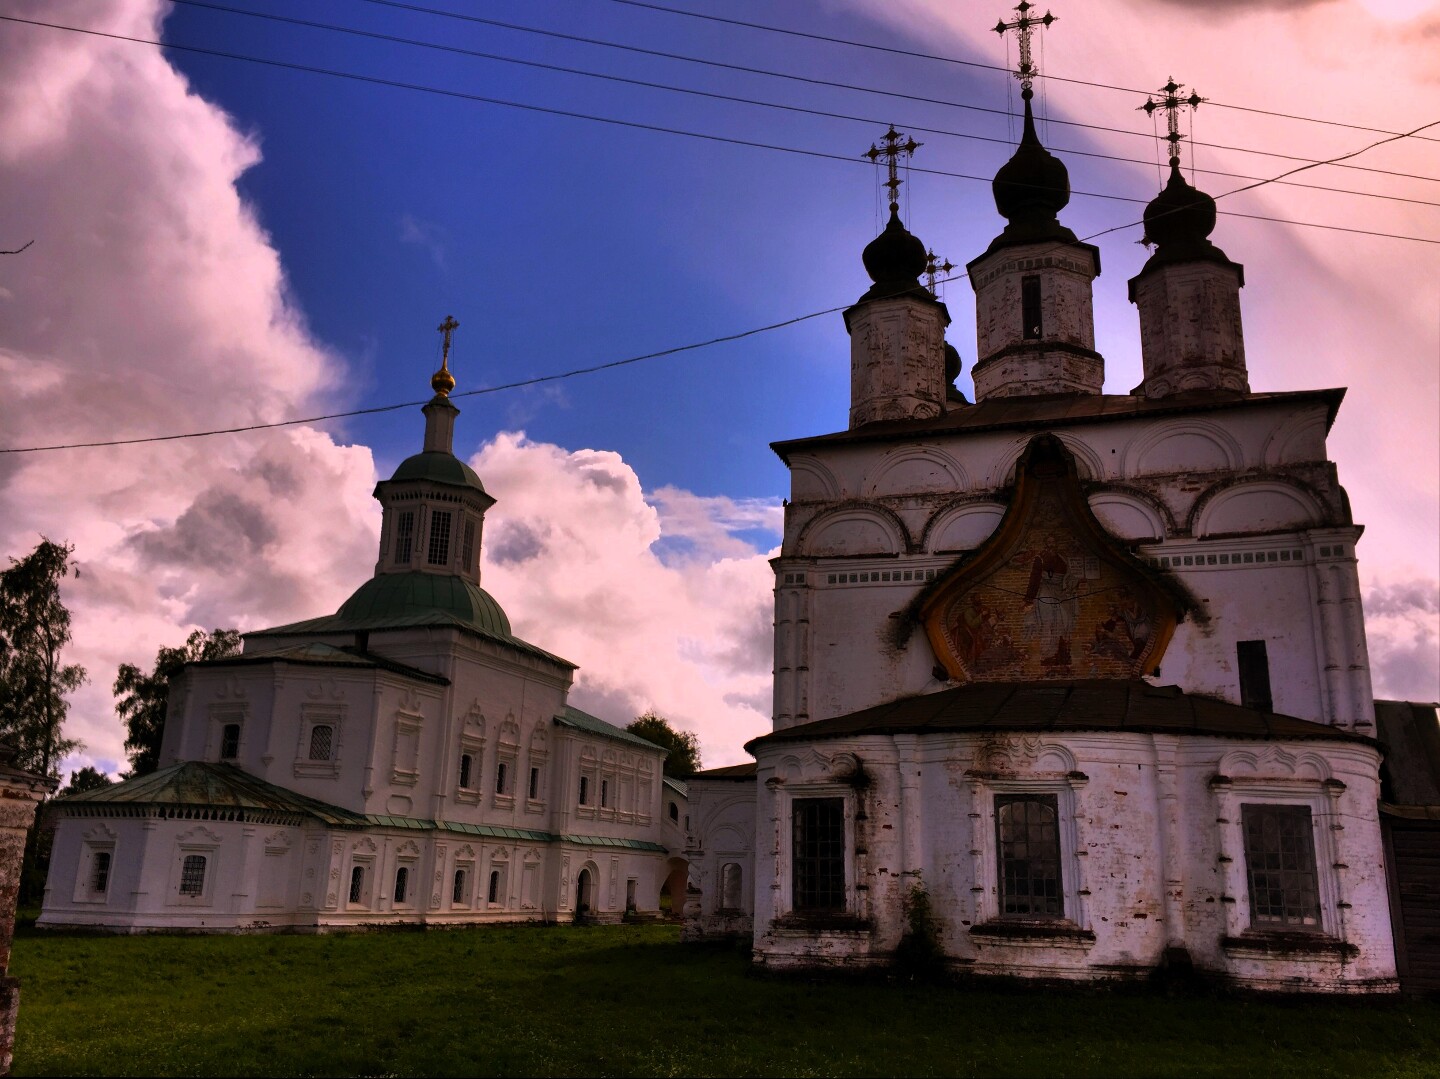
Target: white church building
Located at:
point(406, 759)
point(1088, 670)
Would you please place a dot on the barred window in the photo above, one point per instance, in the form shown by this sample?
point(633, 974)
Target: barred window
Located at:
point(457, 892)
point(1280, 862)
point(402, 883)
point(230, 741)
point(819, 854)
point(100, 872)
point(404, 537)
point(357, 884)
point(467, 548)
point(1028, 844)
point(322, 741)
point(192, 875)
point(467, 764)
point(439, 552)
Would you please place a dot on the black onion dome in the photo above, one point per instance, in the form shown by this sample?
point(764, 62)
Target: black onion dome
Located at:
point(895, 256)
point(1180, 215)
point(1034, 185)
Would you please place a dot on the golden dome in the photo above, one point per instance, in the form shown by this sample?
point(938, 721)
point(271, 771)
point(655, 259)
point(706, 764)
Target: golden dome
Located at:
point(442, 381)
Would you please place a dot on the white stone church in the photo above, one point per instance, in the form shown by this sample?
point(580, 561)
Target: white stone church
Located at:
point(406, 759)
point(1088, 669)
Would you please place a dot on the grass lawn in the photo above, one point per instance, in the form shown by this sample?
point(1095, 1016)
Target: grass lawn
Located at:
point(631, 1000)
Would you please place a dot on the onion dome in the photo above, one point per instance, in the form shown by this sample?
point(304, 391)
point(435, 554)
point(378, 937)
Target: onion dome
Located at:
point(895, 260)
point(1034, 185)
point(1178, 221)
point(442, 381)
point(952, 372)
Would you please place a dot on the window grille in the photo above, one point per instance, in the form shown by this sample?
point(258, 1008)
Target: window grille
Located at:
point(322, 741)
point(230, 742)
point(192, 875)
point(466, 764)
point(500, 778)
point(1028, 842)
point(457, 893)
point(467, 549)
point(439, 552)
point(357, 884)
point(493, 895)
point(404, 537)
point(402, 883)
point(1030, 307)
point(819, 854)
point(1254, 668)
point(100, 872)
point(1280, 862)
point(534, 783)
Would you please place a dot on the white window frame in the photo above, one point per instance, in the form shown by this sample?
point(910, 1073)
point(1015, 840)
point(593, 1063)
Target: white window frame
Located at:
point(310, 718)
point(787, 798)
point(188, 846)
point(84, 880)
point(408, 725)
point(366, 863)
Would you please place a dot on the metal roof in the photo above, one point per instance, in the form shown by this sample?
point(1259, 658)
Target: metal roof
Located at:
point(730, 771)
point(437, 466)
point(584, 721)
point(316, 654)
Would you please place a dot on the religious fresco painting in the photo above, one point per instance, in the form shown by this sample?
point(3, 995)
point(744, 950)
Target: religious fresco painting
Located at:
point(1050, 594)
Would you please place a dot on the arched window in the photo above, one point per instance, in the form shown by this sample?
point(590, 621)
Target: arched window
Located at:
point(467, 764)
point(731, 890)
point(493, 894)
point(192, 875)
point(100, 872)
point(402, 883)
point(674, 812)
point(230, 741)
point(457, 893)
point(501, 786)
point(357, 884)
point(322, 741)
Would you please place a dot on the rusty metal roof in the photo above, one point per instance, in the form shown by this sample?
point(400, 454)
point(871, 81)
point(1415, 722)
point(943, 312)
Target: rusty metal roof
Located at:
point(1050, 410)
point(730, 771)
point(1118, 705)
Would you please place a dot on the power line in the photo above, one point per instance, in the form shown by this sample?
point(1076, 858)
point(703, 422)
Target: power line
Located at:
point(989, 67)
point(637, 125)
point(835, 85)
point(502, 58)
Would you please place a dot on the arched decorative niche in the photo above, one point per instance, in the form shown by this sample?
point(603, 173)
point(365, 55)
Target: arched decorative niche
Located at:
point(811, 481)
point(962, 527)
point(1300, 439)
point(1256, 506)
point(916, 469)
point(1088, 465)
point(1127, 515)
point(853, 530)
point(1183, 446)
point(1275, 762)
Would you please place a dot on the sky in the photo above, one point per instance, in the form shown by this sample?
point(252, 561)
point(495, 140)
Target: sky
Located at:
point(221, 242)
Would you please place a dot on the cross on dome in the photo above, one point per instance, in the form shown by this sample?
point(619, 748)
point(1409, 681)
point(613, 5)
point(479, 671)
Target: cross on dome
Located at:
point(936, 267)
point(442, 381)
point(1024, 25)
point(1172, 103)
point(891, 150)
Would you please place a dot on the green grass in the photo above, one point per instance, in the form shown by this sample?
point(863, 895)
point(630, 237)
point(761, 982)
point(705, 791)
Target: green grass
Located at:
point(631, 1000)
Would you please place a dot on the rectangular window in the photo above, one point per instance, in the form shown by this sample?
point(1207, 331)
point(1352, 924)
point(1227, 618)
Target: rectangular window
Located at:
point(322, 741)
point(534, 784)
point(604, 793)
point(230, 741)
point(467, 548)
point(584, 790)
point(1254, 667)
point(439, 552)
point(192, 875)
point(100, 872)
point(404, 537)
point(466, 765)
point(500, 778)
point(357, 884)
point(819, 854)
point(1030, 307)
point(1028, 847)
point(1280, 864)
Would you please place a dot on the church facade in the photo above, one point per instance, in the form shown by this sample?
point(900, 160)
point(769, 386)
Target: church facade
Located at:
point(1083, 675)
point(406, 759)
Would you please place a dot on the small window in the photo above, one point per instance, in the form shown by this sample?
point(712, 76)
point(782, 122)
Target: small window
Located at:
point(1028, 842)
point(819, 854)
point(402, 883)
point(492, 895)
point(467, 548)
point(1254, 670)
point(357, 884)
point(230, 741)
point(1280, 864)
point(322, 741)
point(674, 812)
point(604, 793)
point(457, 891)
point(404, 538)
point(534, 783)
point(192, 875)
point(100, 872)
point(439, 552)
point(631, 887)
point(500, 778)
point(584, 790)
point(467, 764)
point(731, 892)
point(1030, 307)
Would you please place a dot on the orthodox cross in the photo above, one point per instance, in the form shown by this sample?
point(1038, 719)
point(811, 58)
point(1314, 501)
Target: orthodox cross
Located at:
point(1024, 25)
point(1172, 103)
point(448, 328)
point(891, 149)
point(934, 270)
point(442, 381)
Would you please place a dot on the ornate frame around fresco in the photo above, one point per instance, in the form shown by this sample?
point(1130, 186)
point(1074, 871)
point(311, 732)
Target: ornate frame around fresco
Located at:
point(1051, 579)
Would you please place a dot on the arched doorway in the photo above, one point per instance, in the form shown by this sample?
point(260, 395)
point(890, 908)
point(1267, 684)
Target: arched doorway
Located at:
point(584, 894)
point(672, 888)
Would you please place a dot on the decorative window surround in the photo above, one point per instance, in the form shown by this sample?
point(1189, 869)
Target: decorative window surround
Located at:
point(405, 749)
point(310, 718)
point(197, 843)
point(99, 842)
point(855, 910)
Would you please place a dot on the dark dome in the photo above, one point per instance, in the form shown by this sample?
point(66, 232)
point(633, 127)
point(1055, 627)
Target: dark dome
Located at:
point(438, 467)
point(1180, 216)
point(895, 257)
point(418, 599)
point(1034, 185)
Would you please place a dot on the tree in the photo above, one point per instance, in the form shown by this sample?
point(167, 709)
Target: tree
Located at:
point(34, 629)
point(684, 746)
point(141, 699)
point(86, 779)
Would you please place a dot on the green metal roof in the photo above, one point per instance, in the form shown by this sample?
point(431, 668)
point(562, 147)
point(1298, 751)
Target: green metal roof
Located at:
point(438, 467)
point(318, 654)
point(607, 841)
point(584, 721)
point(203, 785)
point(496, 831)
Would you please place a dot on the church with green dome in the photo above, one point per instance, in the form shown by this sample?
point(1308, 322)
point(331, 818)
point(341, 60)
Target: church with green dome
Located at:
point(405, 759)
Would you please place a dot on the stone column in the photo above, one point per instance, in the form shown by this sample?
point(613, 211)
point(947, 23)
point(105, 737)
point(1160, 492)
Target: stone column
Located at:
point(20, 795)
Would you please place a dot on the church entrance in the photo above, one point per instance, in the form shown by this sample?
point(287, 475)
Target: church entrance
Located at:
point(584, 894)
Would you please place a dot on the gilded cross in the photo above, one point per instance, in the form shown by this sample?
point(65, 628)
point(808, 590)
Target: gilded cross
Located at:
point(935, 269)
point(1024, 25)
point(891, 150)
point(1172, 103)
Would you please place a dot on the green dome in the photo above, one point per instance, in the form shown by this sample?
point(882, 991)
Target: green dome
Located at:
point(413, 599)
point(438, 467)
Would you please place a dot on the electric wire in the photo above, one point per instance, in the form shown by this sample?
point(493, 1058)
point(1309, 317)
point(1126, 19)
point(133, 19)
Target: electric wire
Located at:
point(713, 95)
